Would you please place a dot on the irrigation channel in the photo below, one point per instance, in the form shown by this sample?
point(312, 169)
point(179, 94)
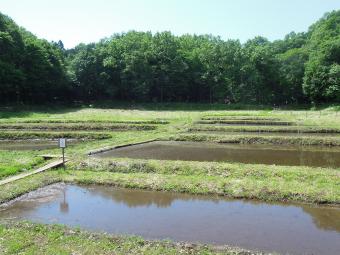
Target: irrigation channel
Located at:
point(317, 156)
point(280, 227)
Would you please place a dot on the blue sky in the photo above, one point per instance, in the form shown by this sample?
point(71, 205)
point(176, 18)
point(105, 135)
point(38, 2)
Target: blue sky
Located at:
point(76, 21)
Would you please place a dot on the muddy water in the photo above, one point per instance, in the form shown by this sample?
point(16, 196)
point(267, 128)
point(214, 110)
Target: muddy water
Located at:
point(284, 228)
point(31, 144)
point(252, 154)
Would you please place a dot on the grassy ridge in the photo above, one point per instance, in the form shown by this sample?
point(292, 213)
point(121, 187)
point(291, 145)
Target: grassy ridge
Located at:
point(306, 184)
point(281, 129)
point(67, 121)
point(258, 139)
point(29, 238)
point(264, 182)
point(247, 122)
point(239, 118)
point(17, 135)
point(76, 126)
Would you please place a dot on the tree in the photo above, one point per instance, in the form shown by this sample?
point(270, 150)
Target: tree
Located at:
point(320, 81)
point(162, 67)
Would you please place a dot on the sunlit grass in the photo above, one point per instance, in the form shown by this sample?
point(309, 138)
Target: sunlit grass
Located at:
point(13, 162)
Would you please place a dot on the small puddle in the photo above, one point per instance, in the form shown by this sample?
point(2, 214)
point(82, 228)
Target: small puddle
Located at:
point(249, 153)
point(22, 145)
point(280, 227)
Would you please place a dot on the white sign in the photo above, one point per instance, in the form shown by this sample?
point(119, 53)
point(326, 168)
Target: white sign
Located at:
point(62, 143)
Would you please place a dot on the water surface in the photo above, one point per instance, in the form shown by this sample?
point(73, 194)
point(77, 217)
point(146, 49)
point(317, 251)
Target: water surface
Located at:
point(250, 153)
point(284, 228)
point(31, 144)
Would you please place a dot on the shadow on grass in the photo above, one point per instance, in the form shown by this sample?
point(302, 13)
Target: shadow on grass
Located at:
point(21, 111)
point(177, 106)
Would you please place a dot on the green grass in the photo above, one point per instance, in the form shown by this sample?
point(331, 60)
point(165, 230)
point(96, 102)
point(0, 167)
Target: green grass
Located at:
point(244, 118)
point(28, 134)
point(258, 129)
point(78, 126)
point(14, 162)
point(70, 121)
point(247, 122)
point(268, 183)
point(29, 238)
point(252, 181)
point(258, 139)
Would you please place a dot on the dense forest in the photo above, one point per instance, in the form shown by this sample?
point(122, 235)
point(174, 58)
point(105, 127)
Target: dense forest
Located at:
point(161, 67)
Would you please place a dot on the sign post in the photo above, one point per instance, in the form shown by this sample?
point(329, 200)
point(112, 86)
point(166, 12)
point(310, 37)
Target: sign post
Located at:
point(62, 145)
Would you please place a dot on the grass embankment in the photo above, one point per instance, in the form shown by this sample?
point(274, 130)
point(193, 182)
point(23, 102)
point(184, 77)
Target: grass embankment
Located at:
point(76, 126)
point(61, 240)
point(258, 129)
point(252, 181)
point(13, 162)
point(22, 135)
point(70, 121)
point(236, 118)
point(258, 139)
point(247, 122)
point(264, 182)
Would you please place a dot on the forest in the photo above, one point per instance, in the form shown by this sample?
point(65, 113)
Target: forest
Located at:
point(302, 68)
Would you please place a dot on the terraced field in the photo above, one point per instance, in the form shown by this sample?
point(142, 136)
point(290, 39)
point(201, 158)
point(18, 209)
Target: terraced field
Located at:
point(196, 152)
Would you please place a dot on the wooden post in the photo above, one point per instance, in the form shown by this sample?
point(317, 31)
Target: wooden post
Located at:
point(63, 149)
point(62, 145)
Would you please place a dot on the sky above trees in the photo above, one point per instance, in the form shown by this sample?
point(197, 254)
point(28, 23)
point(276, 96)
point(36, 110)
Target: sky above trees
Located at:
point(87, 21)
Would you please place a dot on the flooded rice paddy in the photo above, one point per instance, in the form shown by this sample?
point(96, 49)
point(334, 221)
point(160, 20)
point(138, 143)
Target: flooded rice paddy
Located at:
point(280, 227)
point(32, 144)
point(250, 153)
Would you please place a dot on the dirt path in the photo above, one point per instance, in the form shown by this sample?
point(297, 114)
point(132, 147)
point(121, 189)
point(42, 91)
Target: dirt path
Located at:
point(41, 169)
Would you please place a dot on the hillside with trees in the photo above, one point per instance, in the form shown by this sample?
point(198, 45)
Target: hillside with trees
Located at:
point(141, 66)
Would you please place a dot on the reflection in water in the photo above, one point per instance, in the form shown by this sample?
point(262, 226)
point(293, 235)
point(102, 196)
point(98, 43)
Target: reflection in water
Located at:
point(250, 153)
point(135, 198)
point(327, 219)
point(323, 218)
point(32, 200)
point(281, 227)
point(64, 208)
